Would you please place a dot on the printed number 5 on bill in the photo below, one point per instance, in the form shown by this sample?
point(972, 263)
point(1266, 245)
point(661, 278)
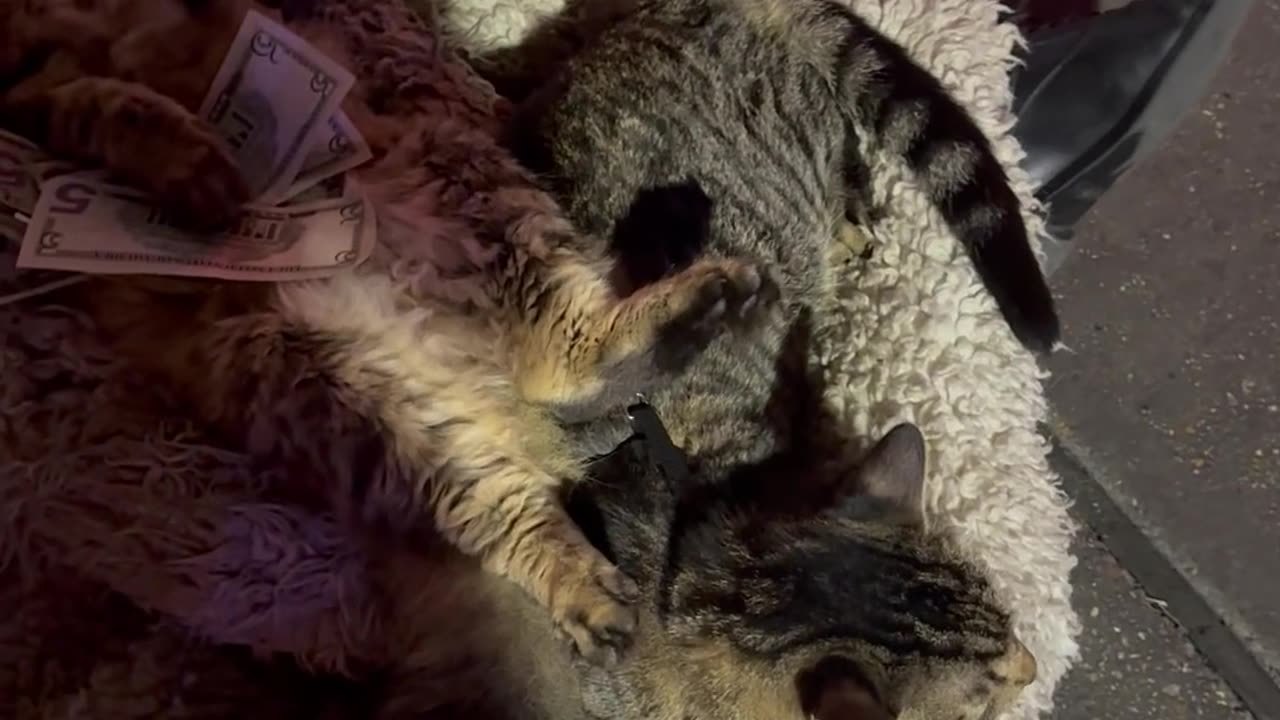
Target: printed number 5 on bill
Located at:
point(271, 101)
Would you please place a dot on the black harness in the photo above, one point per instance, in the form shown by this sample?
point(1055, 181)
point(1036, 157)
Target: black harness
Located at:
point(649, 431)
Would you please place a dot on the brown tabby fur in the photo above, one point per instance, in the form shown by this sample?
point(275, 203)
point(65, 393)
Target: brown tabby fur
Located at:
point(405, 400)
point(749, 610)
point(764, 594)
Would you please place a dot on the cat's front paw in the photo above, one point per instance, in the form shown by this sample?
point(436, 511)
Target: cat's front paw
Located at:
point(594, 609)
point(202, 184)
point(750, 293)
point(706, 299)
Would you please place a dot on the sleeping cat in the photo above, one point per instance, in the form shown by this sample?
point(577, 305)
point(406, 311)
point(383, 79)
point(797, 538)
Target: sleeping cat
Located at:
point(742, 121)
point(428, 389)
point(778, 601)
point(767, 105)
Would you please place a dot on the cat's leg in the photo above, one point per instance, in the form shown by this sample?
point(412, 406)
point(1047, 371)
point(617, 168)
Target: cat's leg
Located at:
point(490, 483)
point(489, 471)
point(148, 139)
point(407, 420)
point(489, 474)
point(513, 519)
point(488, 479)
point(384, 422)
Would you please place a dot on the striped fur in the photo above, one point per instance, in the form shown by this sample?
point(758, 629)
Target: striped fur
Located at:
point(768, 105)
point(757, 601)
point(434, 400)
point(776, 583)
point(754, 584)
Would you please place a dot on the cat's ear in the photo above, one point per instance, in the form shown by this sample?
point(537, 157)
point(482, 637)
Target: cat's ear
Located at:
point(835, 689)
point(893, 471)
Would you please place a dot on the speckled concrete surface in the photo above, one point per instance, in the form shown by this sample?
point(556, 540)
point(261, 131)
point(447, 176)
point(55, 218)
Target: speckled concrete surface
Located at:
point(1171, 385)
point(1136, 664)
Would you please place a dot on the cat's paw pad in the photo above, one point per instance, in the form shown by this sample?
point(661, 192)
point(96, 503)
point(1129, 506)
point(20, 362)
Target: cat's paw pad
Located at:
point(711, 295)
point(751, 294)
point(596, 613)
point(204, 187)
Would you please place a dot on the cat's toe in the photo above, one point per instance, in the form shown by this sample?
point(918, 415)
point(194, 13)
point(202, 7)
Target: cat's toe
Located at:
point(617, 584)
point(598, 616)
point(744, 279)
point(702, 304)
point(729, 292)
point(750, 293)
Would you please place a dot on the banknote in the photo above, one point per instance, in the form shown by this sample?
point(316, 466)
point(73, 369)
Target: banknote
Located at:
point(341, 148)
point(18, 192)
point(83, 224)
point(20, 285)
point(271, 100)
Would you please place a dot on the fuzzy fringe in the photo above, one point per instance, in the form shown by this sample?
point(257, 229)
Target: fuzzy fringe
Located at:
point(920, 340)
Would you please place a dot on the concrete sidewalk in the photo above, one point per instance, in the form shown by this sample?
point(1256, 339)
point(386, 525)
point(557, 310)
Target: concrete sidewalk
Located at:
point(1167, 408)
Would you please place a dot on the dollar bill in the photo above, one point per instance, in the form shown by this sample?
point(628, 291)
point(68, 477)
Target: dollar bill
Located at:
point(341, 148)
point(18, 192)
point(19, 285)
point(83, 224)
point(271, 100)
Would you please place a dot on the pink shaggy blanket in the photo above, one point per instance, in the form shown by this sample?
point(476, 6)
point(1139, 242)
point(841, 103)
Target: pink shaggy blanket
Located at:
point(143, 571)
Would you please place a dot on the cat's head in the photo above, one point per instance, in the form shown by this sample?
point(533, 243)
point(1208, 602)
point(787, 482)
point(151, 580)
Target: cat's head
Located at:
point(840, 609)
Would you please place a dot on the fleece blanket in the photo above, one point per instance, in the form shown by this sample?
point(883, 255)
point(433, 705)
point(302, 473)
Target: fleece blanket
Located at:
point(143, 575)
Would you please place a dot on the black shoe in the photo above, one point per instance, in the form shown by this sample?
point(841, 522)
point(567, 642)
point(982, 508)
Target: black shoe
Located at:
point(1097, 95)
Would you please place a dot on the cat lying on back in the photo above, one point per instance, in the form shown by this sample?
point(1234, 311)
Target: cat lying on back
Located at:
point(782, 600)
point(428, 388)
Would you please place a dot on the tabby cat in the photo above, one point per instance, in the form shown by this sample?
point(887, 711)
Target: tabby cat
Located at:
point(741, 122)
point(753, 606)
point(385, 391)
point(767, 105)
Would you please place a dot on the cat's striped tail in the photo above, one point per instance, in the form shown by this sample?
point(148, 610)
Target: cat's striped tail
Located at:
point(907, 111)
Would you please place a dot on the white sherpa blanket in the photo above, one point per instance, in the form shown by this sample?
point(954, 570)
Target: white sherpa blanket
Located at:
point(101, 493)
point(919, 339)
